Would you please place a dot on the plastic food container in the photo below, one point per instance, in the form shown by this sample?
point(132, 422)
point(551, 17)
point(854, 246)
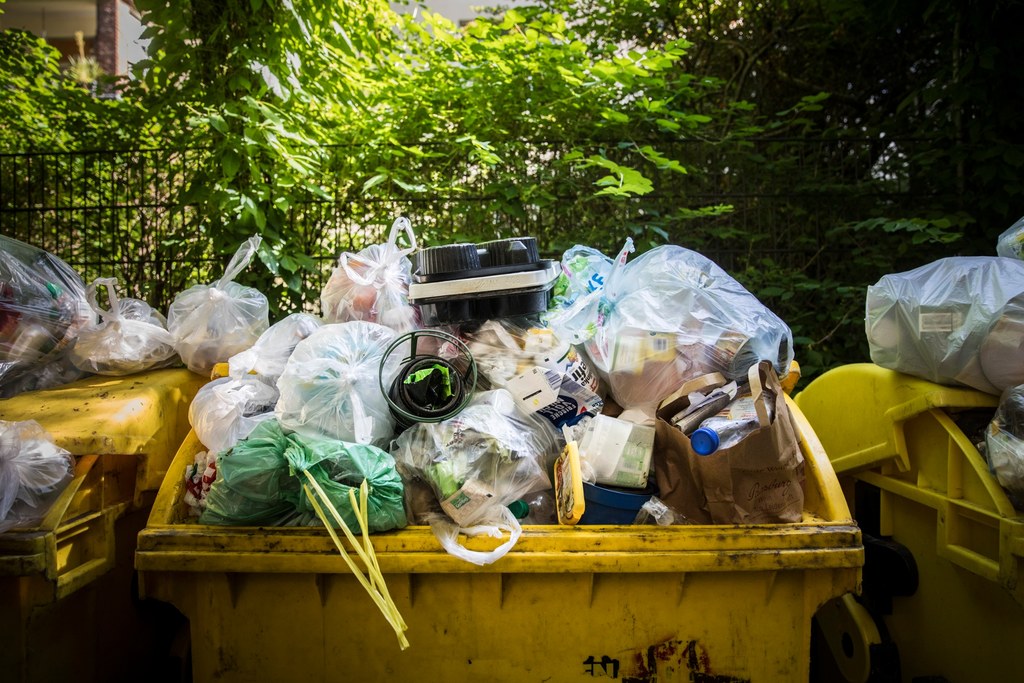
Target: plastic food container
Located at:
point(464, 282)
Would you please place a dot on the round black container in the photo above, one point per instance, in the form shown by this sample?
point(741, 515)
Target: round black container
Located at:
point(448, 260)
point(430, 398)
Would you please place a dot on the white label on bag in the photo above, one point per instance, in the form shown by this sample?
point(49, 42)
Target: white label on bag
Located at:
point(939, 321)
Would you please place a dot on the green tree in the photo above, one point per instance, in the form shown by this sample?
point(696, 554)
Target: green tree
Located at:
point(349, 102)
point(44, 109)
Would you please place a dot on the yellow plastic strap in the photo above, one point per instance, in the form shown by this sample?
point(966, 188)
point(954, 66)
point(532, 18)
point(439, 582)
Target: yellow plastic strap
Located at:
point(373, 581)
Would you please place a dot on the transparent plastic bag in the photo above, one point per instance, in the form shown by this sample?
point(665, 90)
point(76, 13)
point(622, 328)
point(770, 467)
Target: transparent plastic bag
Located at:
point(671, 315)
point(447, 533)
point(373, 285)
point(130, 337)
point(1004, 443)
point(268, 356)
point(1011, 242)
point(54, 372)
point(227, 409)
point(42, 309)
point(479, 461)
point(547, 377)
point(329, 387)
point(211, 323)
point(33, 473)
point(958, 320)
point(573, 313)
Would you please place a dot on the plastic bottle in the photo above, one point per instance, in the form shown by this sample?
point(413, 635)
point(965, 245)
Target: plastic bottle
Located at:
point(728, 427)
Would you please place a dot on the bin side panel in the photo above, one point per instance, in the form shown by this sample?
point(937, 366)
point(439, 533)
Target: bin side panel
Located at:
point(957, 625)
point(738, 626)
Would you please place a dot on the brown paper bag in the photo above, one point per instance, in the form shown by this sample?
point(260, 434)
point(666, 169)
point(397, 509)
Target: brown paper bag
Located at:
point(757, 481)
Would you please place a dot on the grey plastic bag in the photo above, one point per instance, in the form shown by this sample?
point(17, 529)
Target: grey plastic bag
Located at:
point(958, 320)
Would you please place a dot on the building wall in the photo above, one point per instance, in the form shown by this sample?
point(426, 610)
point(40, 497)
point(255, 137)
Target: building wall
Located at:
point(459, 11)
point(57, 21)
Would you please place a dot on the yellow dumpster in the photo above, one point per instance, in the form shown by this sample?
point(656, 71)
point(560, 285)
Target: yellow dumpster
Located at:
point(70, 612)
point(640, 603)
point(944, 577)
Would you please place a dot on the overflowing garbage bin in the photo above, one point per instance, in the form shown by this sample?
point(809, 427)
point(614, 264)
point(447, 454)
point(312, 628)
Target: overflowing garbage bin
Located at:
point(944, 545)
point(625, 602)
point(67, 580)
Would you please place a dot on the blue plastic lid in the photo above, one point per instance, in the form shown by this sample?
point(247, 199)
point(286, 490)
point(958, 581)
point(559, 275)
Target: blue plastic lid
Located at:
point(704, 441)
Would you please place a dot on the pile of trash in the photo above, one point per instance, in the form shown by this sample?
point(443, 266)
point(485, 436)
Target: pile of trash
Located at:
point(473, 388)
point(460, 374)
point(455, 379)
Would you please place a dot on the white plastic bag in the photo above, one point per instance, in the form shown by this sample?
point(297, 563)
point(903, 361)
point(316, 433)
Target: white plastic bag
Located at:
point(211, 323)
point(373, 285)
point(130, 337)
point(329, 387)
point(267, 357)
point(447, 533)
point(33, 472)
point(958, 320)
point(226, 410)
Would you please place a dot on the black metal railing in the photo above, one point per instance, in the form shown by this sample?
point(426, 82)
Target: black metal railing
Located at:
point(123, 213)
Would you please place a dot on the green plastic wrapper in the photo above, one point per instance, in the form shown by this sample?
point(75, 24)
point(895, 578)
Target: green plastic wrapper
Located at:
point(259, 481)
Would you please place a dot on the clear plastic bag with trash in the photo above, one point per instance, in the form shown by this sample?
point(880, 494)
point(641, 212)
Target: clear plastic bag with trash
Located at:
point(373, 284)
point(477, 463)
point(329, 387)
point(1011, 242)
point(226, 410)
point(42, 310)
point(267, 358)
point(34, 471)
point(668, 316)
point(1004, 444)
point(130, 337)
point(577, 292)
point(547, 377)
point(957, 320)
point(211, 323)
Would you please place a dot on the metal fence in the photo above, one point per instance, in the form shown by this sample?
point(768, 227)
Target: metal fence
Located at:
point(122, 213)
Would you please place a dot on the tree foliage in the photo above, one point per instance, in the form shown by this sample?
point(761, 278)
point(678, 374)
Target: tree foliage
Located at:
point(44, 109)
point(808, 145)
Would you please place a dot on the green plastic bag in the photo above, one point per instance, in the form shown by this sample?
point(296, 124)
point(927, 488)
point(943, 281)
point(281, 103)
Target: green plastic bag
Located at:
point(259, 481)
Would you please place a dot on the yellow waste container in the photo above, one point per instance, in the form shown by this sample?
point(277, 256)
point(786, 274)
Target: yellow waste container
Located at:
point(945, 578)
point(70, 612)
point(640, 603)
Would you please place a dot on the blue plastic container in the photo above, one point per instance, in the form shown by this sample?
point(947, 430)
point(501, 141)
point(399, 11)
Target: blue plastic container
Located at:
point(610, 505)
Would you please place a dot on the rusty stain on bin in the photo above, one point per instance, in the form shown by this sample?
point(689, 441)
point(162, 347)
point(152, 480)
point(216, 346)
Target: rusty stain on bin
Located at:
point(673, 654)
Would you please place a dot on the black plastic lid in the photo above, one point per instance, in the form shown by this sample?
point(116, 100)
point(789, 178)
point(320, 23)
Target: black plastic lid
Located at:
point(448, 258)
point(509, 252)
